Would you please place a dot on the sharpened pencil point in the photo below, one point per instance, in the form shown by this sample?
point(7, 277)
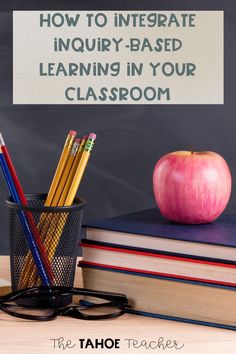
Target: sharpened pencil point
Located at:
point(1, 140)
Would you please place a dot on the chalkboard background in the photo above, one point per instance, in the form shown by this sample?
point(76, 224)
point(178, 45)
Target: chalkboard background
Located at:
point(130, 138)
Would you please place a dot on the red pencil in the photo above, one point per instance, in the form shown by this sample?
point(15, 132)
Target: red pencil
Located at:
point(24, 203)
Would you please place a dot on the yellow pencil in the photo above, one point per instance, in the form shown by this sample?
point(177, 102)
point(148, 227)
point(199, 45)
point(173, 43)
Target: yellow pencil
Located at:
point(80, 170)
point(52, 219)
point(60, 167)
point(45, 218)
point(71, 194)
point(57, 225)
point(64, 186)
point(58, 181)
point(73, 171)
point(50, 234)
point(66, 172)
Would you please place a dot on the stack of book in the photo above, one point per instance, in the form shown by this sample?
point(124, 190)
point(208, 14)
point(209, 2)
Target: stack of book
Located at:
point(171, 271)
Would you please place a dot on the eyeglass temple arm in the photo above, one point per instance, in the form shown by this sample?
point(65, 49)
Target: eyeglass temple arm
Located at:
point(38, 291)
point(88, 292)
point(114, 297)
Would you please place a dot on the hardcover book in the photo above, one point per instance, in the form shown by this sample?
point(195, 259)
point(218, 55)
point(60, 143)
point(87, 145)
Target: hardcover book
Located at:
point(149, 230)
point(167, 298)
point(159, 263)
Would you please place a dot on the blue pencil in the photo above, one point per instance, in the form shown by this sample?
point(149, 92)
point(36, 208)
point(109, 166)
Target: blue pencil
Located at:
point(30, 239)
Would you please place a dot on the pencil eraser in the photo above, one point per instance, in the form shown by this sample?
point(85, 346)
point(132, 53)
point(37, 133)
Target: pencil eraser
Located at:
point(73, 132)
point(77, 140)
point(92, 136)
point(85, 137)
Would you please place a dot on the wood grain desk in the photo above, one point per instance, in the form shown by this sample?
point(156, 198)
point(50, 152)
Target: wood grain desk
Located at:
point(19, 336)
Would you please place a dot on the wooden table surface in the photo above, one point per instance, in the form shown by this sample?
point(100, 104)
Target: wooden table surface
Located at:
point(19, 336)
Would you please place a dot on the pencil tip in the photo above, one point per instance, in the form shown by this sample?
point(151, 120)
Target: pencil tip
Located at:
point(1, 140)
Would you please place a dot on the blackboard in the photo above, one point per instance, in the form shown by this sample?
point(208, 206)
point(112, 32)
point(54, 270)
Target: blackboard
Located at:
point(130, 138)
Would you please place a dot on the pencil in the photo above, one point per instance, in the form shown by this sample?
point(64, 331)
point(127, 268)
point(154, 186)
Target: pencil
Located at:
point(61, 184)
point(56, 228)
point(62, 190)
point(30, 239)
point(51, 220)
point(73, 171)
point(61, 165)
point(24, 202)
point(72, 192)
point(45, 219)
point(80, 169)
point(61, 202)
point(66, 172)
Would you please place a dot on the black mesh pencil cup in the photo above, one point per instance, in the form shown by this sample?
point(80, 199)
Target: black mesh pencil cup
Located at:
point(57, 229)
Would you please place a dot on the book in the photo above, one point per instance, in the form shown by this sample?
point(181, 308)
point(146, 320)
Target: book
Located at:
point(158, 263)
point(166, 298)
point(149, 230)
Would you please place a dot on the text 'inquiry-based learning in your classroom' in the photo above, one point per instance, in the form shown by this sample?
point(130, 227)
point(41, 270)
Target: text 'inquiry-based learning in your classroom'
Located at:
point(114, 57)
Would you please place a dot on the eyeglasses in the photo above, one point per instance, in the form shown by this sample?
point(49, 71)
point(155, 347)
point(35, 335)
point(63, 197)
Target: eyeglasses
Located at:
point(97, 305)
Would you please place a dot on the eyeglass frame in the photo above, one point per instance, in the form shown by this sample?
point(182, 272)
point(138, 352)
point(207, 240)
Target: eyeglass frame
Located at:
point(115, 300)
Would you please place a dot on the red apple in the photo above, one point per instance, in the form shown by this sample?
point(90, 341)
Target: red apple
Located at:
point(192, 187)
